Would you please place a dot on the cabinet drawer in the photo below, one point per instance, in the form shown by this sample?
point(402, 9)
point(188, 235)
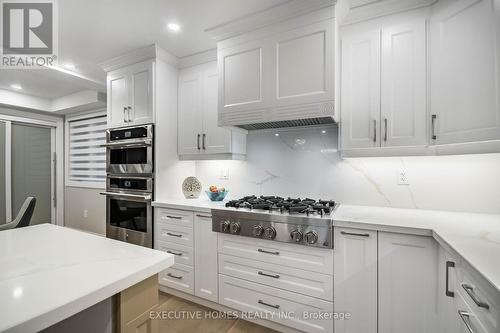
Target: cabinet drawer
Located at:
point(291, 255)
point(170, 233)
point(179, 277)
point(466, 316)
point(284, 307)
point(174, 216)
point(183, 254)
point(481, 297)
point(282, 277)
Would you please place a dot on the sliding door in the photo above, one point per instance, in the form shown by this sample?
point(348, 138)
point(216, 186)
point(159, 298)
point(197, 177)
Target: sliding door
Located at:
point(26, 169)
point(31, 160)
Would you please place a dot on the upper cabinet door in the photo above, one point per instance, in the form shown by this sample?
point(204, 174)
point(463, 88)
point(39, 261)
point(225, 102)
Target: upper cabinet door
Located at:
point(190, 116)
point(141, 99)
point(241, 82)
point(360, 95)
point(215, 139)
point(117, 99)
point(403, 91)
point(304, 64)
point(465, 63)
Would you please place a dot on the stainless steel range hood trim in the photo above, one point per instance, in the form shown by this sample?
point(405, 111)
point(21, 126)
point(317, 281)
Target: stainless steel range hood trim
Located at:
point(288, 123)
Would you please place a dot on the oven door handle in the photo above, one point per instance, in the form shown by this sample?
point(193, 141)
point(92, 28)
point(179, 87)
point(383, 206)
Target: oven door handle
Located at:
point(141, 143)
point(125, 195)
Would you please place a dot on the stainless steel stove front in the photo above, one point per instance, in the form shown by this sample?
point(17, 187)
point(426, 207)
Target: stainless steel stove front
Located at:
point(308, 231)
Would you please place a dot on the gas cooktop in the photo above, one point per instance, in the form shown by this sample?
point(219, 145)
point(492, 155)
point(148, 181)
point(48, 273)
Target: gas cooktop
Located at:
point(292, 220)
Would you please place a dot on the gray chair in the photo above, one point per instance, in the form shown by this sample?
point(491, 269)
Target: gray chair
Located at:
point(23, 217)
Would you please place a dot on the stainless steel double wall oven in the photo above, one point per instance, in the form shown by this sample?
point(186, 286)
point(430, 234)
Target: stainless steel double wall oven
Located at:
point(130, 184)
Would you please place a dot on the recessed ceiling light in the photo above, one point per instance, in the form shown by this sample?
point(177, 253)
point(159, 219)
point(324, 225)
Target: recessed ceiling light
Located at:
point(173, 27)
point(69, 66)
point(16, 86)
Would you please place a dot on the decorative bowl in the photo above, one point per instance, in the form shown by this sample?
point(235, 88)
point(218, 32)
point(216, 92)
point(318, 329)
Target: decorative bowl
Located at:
point(216, 196)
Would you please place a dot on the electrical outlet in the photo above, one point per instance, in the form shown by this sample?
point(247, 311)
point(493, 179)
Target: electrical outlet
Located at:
point(85, 213)
point(403, 177)
point(224, 173)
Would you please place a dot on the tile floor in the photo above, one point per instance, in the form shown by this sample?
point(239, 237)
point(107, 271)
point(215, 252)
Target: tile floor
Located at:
point(172, 303)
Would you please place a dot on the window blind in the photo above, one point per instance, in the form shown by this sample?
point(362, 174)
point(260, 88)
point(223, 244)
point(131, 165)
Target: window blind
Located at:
point(87, 156)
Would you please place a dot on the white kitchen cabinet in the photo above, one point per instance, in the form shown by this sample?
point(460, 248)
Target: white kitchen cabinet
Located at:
point(355, 267)
point(407, 283)
point(205, 267)
point(403, 91)
point(449, 321)
point(199, 135)
point(383, 95)
point(130, 95)
point(465, 63)
point(360, 97)
point(278, 73)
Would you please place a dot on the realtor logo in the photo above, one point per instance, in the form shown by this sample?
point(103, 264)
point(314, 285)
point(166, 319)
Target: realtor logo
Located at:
point(28, 33)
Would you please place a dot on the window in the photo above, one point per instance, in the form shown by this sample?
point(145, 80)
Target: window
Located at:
point(86, 162)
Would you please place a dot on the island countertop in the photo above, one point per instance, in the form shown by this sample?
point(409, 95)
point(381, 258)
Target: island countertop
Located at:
point(49, 273)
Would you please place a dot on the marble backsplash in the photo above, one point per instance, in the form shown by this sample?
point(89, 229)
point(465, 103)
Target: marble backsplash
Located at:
point(305, 162)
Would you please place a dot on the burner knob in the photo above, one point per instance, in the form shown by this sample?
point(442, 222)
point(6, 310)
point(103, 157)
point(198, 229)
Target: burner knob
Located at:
point(234, 228)
point(270, 233)
point(224, 226)
point(257, 230)
point(311, 237)
point(296, 235)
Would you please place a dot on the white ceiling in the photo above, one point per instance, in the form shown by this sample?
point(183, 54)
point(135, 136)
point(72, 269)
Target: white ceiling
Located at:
point(91, 31)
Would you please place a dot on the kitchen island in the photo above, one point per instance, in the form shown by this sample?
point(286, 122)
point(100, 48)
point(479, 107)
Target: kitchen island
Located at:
point(51, 274)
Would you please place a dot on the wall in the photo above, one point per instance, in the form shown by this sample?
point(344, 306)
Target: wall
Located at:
point(79, 200)
point(304, 162)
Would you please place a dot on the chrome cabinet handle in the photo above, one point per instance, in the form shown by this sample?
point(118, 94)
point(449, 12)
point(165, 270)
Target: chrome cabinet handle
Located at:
point(354, 234)
point(269, 305)
point(466, 318)
point(129, 108)
point(173, 235)
point(449, 264)
point(433, 127)
point(174, 217)
point(175, 253)
point(198, 142)
point(125, 114)
point(385, 132)
point(269, 252)
point(203, 141)
point(174, 276)
point(269, 275)
point(125, 195)
point(470, 291)
point(205, 216)
point(374, 130)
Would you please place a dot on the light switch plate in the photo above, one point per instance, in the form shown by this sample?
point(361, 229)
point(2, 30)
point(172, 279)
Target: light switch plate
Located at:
point(224, 173)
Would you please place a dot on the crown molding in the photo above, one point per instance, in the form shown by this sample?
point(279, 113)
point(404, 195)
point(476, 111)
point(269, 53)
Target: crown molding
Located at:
point(354, 11)
point(146, 53)
point(198, 58)
point(275, 14)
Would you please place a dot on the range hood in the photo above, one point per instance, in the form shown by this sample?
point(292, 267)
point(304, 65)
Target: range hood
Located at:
point(288, 123)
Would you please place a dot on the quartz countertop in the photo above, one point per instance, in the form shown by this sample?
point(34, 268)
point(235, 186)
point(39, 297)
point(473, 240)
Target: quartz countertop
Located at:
point(198, 205)
point(49, 273)
point(474, 237)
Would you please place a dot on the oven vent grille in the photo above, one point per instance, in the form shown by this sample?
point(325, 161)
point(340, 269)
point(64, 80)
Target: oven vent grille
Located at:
point(289, 123)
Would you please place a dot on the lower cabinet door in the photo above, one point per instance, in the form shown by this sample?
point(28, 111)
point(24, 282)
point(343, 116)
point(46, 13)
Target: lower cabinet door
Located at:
point(355, 267)
point(304, 313)
point(178, 277)
point(407, 283)
point(205, 240)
